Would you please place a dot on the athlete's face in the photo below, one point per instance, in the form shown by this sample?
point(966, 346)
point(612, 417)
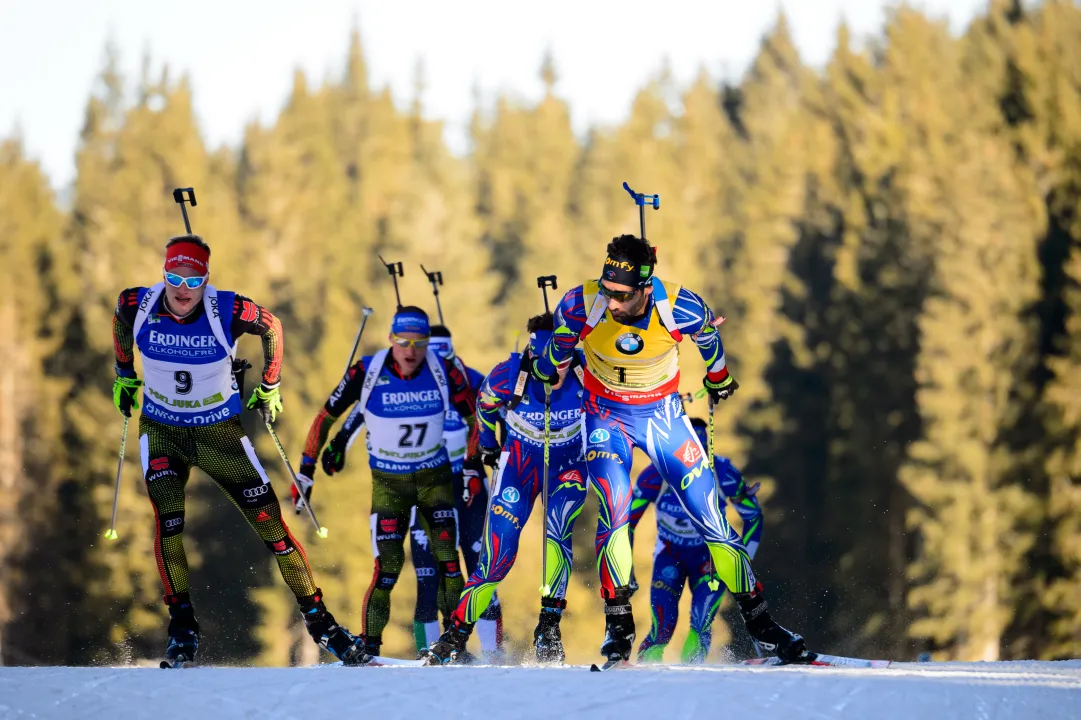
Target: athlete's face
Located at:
point(628, 309)
point(182, 300)
point(411, 355)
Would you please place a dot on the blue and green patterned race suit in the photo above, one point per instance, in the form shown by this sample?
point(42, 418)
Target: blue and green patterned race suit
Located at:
point(646, 412)
point(519, 481)
point(681, 555)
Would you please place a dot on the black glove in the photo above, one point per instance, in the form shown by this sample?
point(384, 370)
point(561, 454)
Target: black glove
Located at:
point(721, 390)
point(490, 456)
point(535, 371)
point(334, 456)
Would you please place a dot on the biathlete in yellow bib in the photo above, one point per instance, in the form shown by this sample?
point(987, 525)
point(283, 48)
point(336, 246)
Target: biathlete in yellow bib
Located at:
point(630, 324)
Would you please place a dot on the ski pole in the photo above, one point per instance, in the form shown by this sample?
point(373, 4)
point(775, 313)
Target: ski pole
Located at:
point(366, 312)
point(436, 279)
point(319, 529)
point(545, 588)
point(179, 196)
point(711, 404)
point(641, 200)
point(110, 534)
point(396, 271)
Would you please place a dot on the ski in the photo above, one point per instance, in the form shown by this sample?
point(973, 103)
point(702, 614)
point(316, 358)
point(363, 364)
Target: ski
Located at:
point(820, 660)
point(380, 661)
point(180, 663)
point(613, 664)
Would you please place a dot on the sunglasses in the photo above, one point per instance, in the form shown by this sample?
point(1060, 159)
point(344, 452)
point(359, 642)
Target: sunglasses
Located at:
point(617, 295)
point(401, 342)
point(178, 280)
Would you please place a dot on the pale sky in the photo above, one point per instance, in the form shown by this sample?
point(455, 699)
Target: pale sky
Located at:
point(240, 54)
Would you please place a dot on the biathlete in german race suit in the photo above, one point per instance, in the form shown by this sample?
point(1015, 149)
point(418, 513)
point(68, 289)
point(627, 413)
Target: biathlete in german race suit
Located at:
point(402, 395)
point(471, 502)
point(680, 556)
point(630, 323)
point(518, 483)
point(186, 332)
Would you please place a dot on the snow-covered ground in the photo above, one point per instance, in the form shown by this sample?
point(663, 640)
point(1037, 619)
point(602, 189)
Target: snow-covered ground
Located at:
point(1043, 690)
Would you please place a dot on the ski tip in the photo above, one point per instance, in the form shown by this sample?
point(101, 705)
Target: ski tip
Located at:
point(594, 668)
point(165, 665)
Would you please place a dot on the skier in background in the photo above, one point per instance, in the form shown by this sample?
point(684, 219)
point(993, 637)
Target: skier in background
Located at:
point(518, 483)
point(402, 395)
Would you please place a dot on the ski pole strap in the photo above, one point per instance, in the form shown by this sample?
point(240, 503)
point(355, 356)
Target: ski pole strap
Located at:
point(617, 609)
point(521, 383)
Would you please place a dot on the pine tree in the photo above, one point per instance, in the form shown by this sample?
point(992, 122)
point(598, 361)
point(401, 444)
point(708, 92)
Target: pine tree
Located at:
point(29, 226)
point(970, 509)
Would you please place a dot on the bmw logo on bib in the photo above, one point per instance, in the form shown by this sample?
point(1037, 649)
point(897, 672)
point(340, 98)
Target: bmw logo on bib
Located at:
point(630, 343)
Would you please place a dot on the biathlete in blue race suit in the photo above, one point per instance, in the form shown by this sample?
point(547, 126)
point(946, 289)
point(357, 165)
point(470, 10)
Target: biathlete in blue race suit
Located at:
point(519, 482)
point(630, 323)
point(471, 502)
point(680, 555)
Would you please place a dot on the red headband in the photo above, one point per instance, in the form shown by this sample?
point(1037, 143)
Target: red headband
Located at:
point(189, 255)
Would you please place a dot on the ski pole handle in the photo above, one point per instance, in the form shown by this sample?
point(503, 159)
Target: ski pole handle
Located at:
point(319, 529)
point(181, 196)
point(544, 282)
point(110, 534)
point(642, 198)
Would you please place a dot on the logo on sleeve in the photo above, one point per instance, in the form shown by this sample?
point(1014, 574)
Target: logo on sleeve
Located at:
point(511, 495)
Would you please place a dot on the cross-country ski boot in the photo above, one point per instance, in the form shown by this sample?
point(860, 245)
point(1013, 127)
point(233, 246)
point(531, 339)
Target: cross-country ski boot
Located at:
point(451, 644)
point(618, 627)
point(331, 636)
point(767, 634)
point(183, 632)
point(547, 638)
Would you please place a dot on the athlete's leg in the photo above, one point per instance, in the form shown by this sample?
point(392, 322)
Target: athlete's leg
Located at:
point(608, 458)
point(166, 454)
point(517, 483)
point(392, 498)
point(426, 616)
point(676, 451)
point(471, 514)
point(666, 587)
point(705, 602)
point(224, 452)
point(435, 503)
point(566, 497)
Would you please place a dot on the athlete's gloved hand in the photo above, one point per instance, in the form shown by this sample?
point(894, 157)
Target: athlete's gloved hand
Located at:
point(490, 456)
point(267, 400)
point(334, 455)
point(746, 491)
point(536, 372)
point(307, 483)
point(126, 394)
point(720, 389)
point(472, 482)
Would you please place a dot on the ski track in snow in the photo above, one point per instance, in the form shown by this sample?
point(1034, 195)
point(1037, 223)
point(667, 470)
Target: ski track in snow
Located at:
point(983, 691)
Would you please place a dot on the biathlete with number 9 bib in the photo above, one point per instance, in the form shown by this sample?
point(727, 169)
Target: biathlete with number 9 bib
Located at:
point(186, 331)
point(402, 395)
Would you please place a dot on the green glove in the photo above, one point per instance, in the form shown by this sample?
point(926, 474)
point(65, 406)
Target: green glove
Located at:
point(126, 394)
point(268, 401)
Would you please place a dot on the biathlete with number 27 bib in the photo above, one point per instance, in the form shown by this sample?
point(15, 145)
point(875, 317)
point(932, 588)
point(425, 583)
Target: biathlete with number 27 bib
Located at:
point(402, 395)
point(630, 323)
point(186, 332)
